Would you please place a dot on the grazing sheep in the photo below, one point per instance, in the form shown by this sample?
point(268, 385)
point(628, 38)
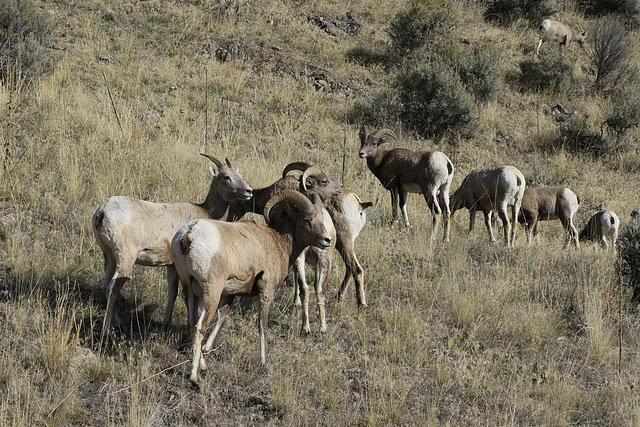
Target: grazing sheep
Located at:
point(560, 33)
point(217, 261)
point(547, 203)
point(131, 231)
point(602, 225)
point(404, 171)
point(489, 190)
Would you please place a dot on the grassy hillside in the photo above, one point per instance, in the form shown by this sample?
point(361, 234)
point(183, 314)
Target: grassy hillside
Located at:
point(124, 96)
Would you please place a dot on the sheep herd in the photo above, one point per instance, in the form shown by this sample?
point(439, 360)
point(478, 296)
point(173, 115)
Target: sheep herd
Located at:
point(216, 256)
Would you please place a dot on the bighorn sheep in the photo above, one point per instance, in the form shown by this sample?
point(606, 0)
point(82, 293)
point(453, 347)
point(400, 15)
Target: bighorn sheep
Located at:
point(131, 231)
point(559, 32)
point(403, 171)
point(217, 261)
point(312, 180)
point(602, 225)
point(547, 203)
point(489, 190)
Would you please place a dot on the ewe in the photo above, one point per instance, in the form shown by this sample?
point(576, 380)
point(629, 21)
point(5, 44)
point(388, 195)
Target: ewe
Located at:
point(131, 231)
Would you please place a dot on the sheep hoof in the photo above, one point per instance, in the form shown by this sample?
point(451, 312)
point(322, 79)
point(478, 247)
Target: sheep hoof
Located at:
point(195, 383)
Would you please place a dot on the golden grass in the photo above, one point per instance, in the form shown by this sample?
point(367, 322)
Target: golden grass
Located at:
point(460, 333)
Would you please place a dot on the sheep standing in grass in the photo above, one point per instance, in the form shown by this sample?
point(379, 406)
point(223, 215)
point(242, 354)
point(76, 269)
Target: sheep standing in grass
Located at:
point(560, 33)
point(547, 203)
point(488, 191)
point(217, 261)
point(131, 231)
point(601, 226)
point(403, 171)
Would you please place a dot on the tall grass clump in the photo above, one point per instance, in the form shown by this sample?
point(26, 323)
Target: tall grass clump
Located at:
point(629, 258)
point(25, 31)
point(549, 72)
point(622, 110)
point(509, 12)
point(610, 52)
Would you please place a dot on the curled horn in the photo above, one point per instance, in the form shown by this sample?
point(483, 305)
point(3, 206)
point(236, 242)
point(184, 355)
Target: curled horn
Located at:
point(213, 159)
point(298, 199)
point(312, 171)
point(381, 133)
point(295, 166)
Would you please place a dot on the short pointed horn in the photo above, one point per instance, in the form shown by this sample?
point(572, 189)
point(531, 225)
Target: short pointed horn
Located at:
point(295, 166)
point(213, 159)
point(227, 161)
point(312, 171)
point(295, 197)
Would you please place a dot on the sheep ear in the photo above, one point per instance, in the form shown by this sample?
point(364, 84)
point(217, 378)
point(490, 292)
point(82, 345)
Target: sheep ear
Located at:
point(213, 170)
point(309, 183)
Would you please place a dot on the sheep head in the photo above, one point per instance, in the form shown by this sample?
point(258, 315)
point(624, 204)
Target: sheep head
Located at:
point(227, 180)
point(314, 180)
point(369, 142)
point(304, 214)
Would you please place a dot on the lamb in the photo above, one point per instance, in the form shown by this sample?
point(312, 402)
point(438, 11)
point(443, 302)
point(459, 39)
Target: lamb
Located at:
point(491, 190)
point(217, 261)
point(559, 32)
point(131, 231)
point(403, 171)
point(602, 225)
point(547, 203)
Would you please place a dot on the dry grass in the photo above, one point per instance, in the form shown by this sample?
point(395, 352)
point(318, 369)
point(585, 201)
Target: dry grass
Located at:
point(461, 333)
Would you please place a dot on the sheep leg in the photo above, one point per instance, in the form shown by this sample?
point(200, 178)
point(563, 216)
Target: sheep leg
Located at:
point(432, 202)
point(299, 276)
point(502, 214)
point(487, 223)
point(353, 268)
point(266, 298)
point(112, 291)
point(394, 204)
point(446, 213)
point(303, 291)
point(515, 208)
point(531, 226)
point(323, 270)
point(172, 283)
point(403, 206)
point(538, 46)
point(472, 219)
point(223, 310)
point(211, 298)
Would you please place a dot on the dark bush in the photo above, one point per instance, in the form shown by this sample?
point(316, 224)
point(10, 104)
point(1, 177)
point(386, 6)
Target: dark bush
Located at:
point(628, 265)
point(435, 101)
point(610, 52)
point(627, 10)
point(367, 57)
point(622, 110)
point(24, 31)
point(479, 71)
point(381, 109)
point(419, 27)
point(507, 12)
point(551, 72)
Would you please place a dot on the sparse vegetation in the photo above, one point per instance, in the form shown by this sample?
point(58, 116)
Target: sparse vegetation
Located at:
point(464, 333)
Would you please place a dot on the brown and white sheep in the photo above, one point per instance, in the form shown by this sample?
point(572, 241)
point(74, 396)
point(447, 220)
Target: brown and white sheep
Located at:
point(601, 226)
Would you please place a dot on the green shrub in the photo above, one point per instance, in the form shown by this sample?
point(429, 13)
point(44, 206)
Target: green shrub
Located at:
point(480, 73)
point(419, 27)
point(622, 110)
point(551, 72)
point(435, 101)
point(628, 265)
point(610, 51)
point(381, 108)
point(508, 12)
point(24, 31)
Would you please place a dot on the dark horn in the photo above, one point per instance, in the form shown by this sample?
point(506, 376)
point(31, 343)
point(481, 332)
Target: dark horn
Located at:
point(295, 166)
point(213, 159)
